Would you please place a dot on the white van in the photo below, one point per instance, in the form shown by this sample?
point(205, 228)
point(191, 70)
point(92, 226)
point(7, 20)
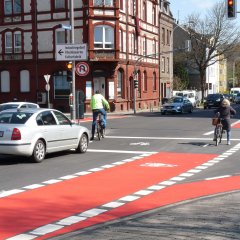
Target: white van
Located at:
point(234, 92)
point(190, 94)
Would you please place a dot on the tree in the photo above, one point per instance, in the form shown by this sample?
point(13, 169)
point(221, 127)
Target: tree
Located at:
point(180, 79)
point(211, 37)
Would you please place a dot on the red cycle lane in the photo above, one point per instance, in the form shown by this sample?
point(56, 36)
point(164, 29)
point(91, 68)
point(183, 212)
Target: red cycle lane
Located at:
point(32, 209)
point(167, 196)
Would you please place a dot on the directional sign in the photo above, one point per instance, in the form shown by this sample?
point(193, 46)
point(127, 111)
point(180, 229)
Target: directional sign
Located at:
point(82, 69)
point(71, 52)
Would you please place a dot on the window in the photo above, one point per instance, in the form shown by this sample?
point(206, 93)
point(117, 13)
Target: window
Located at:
point(154, 82)
point(154, 47)
point(17, 42)
point(59, 3)
point(12, 7)
point(163, 64)
point(134, 43)
point(11, 38)
point(119, 83)
point(60, 37)
point(121, 5)
point(103, 2)
point(61, 86)
point(154, 15)
point(5, 81)
point(8, 42)
point(168, 37)
point(104, 37)
point(163, 36)
point(121, 40)
point(24, 81)
point(144, 81)
point(144, 11)
point(145, 46)
point(167, 67)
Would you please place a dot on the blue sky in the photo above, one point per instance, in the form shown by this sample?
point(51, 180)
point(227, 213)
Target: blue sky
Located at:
point(182, 8)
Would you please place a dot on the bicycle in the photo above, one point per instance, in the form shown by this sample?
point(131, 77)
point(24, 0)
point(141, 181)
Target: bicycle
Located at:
point(100, 128)
point(218, 131)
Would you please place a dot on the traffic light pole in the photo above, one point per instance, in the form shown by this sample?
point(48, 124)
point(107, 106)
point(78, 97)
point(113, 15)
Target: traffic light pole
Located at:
point(135, 72)
point(73, 110)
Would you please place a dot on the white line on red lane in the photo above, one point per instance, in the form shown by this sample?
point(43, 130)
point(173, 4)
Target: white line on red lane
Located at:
point(78, 217)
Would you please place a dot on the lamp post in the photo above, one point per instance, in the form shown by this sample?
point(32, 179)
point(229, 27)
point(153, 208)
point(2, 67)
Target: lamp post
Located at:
point(73, 62)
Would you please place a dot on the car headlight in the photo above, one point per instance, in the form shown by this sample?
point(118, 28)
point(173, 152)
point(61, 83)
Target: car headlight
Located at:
point(178, 107)
point(217, 100)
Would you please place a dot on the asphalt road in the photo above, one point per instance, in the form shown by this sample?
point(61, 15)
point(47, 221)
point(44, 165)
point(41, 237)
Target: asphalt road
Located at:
point(212, 215)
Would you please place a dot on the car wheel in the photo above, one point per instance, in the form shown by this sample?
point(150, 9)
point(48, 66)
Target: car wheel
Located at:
point(191, 110)
point(163, 113)
point(83, 144)
point(39, 152)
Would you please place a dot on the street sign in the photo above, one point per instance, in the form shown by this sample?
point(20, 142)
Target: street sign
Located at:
point(47, 77)
point(82, 69)
point(71, 52)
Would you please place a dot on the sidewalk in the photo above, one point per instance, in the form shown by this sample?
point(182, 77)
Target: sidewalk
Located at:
point(209, 218)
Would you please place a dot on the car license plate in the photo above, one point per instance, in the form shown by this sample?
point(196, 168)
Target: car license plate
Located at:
point(1, 133)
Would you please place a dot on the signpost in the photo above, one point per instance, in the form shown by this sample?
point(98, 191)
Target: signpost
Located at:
point(71, 52)
point(47, 87)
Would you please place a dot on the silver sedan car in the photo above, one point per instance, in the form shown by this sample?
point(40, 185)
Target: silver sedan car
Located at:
point(35, 132)
point(177, 105)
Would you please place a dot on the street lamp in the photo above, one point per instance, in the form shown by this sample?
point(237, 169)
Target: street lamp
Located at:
point(73, 62)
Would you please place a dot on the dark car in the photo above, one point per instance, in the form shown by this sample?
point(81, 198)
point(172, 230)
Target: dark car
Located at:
point(213, 100)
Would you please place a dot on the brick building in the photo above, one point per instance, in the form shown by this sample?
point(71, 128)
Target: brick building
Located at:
point(121, 36)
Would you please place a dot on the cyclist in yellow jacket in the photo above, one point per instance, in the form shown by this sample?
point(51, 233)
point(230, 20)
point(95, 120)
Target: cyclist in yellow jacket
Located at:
point(98, 105)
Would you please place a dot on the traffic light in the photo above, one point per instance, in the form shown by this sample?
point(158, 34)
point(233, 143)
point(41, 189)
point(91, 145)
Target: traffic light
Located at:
point(69, 72)
point(69, 76)
point(135, 83)
point(231, 9)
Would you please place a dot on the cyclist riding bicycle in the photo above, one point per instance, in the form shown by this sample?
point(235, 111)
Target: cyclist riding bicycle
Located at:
point(98, 105)
point(224, 112)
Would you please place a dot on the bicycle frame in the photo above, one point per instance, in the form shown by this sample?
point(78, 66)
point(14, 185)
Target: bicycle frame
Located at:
point(218, 133)
point(100, 129)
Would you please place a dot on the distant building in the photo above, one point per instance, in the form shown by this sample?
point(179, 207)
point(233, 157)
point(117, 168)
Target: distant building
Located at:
point(121, 36)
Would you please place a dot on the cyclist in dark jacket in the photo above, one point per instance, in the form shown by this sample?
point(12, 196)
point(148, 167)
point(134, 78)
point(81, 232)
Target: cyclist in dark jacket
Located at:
point(224, 112)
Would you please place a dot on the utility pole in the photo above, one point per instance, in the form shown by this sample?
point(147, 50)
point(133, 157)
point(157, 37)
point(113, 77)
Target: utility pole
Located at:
point(73, 62)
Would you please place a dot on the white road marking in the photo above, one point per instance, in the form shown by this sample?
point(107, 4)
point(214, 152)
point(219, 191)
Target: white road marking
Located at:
point(96, 211)
point(218, 177)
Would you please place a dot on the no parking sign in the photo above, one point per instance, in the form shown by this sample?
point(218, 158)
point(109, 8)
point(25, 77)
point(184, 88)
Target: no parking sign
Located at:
point(82, 69)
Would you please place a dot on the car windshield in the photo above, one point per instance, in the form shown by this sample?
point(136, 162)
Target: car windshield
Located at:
point(8, 106)
point(213, 96)
point(176, 100)
point(14, 117)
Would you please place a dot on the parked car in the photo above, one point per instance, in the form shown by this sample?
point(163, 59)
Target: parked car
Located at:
point(11, 105)
point(36, 132)
point(237, 98)
point(213, 100)
point(177, 105)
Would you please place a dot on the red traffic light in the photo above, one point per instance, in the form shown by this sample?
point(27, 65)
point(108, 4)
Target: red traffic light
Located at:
point(231, 9)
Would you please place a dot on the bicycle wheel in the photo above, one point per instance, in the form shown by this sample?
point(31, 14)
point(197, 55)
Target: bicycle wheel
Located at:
point(98, 131)
point(102, 132)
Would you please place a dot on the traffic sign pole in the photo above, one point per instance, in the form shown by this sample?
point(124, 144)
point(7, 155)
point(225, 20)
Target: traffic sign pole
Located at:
point(73, 62)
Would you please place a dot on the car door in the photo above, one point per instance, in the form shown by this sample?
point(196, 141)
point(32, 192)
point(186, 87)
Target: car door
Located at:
point(68, 131)
point(50, 130)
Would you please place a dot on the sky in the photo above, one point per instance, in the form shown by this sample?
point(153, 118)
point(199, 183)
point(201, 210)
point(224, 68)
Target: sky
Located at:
point(182, 8)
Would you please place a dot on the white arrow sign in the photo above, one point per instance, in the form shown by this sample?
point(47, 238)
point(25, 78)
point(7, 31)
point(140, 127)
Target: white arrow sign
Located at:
point(71, 52)
point(47, 77)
